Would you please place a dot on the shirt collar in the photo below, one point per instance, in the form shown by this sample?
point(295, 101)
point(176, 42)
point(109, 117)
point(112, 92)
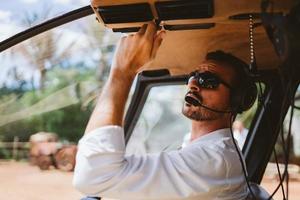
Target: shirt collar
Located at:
point(214, 135)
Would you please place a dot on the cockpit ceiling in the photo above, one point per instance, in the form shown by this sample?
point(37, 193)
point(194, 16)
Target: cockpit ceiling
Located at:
point(183, 50)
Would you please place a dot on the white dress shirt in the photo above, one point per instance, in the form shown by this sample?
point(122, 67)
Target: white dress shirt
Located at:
point(207, 168)
point(240, 137)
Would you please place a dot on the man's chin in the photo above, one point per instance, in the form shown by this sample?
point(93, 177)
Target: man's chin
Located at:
point(198, 114)
point(193, 115)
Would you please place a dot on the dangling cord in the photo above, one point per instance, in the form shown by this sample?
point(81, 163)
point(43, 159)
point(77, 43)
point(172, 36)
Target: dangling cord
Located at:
point(252, 66)
point(241, 158)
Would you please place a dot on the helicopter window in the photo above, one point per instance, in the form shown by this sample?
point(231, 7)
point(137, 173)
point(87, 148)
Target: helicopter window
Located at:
point(161, 126)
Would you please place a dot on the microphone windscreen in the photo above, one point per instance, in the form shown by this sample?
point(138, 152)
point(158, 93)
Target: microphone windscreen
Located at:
point(192, 101)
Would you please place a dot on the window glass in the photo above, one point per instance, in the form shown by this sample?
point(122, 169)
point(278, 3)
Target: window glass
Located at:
point(48, 88)
point(50, 82)
point(18, 15)
point(161, 126)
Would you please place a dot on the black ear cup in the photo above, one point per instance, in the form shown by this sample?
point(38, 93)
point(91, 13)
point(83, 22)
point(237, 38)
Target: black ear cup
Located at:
point(244, 96)
point(251, 96)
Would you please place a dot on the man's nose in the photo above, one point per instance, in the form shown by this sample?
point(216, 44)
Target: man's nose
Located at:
point(193, 84)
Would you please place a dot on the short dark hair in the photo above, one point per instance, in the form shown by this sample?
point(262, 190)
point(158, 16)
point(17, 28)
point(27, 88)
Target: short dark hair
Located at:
point(239, 66)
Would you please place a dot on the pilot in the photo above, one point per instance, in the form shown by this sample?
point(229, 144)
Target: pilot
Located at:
point(209, 167)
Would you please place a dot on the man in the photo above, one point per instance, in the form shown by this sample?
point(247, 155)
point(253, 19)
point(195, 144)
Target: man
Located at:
point(207, 168)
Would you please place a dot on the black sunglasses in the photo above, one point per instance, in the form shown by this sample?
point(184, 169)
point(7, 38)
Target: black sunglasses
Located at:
point(207, 80)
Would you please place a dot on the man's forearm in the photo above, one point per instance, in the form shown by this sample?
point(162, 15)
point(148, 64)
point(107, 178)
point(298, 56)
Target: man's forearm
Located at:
point(111, 103)
point(132, 53)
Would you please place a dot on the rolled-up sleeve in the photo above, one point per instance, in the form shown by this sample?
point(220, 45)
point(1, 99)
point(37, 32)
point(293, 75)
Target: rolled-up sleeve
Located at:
point(103, 169)
point(99, 157)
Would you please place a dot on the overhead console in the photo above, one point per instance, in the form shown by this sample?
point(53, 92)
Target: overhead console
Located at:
point(128, 16)
point(128, 13)
point(172, 10)
point(195, 27)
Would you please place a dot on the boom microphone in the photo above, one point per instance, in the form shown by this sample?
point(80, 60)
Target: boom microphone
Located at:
point(194, 102)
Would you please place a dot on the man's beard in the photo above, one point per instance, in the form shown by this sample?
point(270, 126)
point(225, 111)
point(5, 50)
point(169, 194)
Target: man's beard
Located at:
point(199, 113)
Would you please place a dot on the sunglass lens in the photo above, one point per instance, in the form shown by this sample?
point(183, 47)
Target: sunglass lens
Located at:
point(208, 81)
point(205, 80)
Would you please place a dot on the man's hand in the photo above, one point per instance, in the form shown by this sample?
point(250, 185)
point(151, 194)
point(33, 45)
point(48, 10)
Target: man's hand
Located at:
point(132, 53)
point(136, 50)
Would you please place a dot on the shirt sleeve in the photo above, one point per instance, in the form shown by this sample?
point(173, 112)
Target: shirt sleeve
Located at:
point(103, 169)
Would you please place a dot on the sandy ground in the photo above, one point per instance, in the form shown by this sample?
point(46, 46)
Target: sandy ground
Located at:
point(271, 184)
point(22, 181)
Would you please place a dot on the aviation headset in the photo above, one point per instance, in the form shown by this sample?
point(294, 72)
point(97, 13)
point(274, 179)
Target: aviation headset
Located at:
point(243, 95)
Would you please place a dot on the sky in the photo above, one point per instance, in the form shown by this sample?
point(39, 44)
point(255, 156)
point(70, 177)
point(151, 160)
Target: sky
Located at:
point(12, 12)
point(11, 15)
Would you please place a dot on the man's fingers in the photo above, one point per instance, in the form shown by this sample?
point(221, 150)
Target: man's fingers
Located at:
point(157, 42)
point(151, 30)
point(142, 29)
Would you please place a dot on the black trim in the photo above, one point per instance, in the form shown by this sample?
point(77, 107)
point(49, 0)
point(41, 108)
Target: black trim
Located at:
point(245, 16)
point(189, 26)
point(139, 12)
point(126, 30)
point(187, 9)
point(178, 27)
point(45, 26)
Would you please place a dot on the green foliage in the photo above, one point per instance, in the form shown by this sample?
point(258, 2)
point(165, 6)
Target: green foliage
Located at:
point(68, 122)
point(63, 100)
point(4, 153)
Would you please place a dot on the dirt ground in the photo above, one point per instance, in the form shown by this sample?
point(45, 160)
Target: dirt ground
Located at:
point(271, 184)
point(19, 180)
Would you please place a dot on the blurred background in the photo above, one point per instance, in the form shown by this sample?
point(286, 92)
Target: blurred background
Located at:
point(48, 88)
point(48, 85)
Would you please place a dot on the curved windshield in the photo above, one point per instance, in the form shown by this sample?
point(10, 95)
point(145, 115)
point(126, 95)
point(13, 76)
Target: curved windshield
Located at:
point(55, 70)
point(48, 87)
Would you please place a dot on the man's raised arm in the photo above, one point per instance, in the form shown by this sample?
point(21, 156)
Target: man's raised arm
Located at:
point(101, 151)
point(133, 52)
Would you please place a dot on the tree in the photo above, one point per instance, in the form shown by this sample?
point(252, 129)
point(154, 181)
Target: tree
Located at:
point(42, 52)
point(103, 41)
